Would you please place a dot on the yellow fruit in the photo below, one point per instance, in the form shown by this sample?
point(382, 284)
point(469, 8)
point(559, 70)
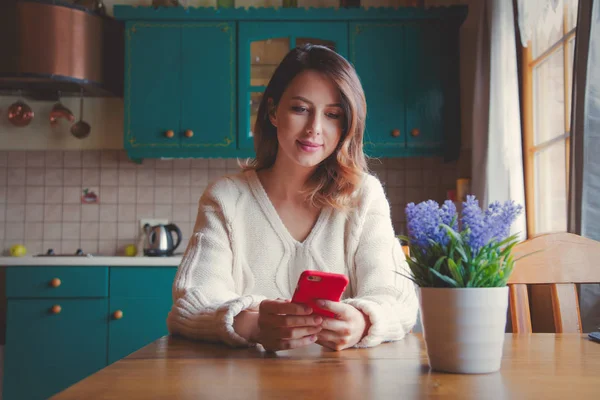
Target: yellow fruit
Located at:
point(131, 250)
point(18, 250)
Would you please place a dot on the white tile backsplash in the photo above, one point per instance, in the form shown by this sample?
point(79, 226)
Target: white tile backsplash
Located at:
point(40, 195)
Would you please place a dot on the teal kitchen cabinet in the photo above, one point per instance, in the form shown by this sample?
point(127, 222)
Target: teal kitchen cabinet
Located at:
point(55, 328)
point(203, 71)
point(261, 47)
point(180, 89)
point(433, 90)
point(377, 52)
point(409, 71)
point(140, 300)
point(65, 323)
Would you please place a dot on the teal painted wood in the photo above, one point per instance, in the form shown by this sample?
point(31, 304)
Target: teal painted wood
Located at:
point(336, 32)
point(45, 353)
point(141, 153)
point(142, 282)
point(433, 98)
point(200, 145)
point(377, 52)
point(124, 12)
point(208, 86)
point(425, 85)
point(152, 85)
point(143, 321)
point(34, 282)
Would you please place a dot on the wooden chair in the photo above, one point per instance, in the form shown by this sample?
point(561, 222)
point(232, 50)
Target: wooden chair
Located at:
point(565, 260)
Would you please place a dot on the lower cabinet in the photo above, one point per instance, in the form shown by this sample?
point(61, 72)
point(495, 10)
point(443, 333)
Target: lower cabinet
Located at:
point(47, 349)
point(54, 341)
point(139, 303)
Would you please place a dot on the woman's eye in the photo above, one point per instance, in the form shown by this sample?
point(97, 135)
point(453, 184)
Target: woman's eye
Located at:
point(299, 109)
point(333, 115)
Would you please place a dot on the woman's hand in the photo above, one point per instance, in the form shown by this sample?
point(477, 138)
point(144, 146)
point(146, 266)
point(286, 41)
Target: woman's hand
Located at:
point(345, 330)
point(283, 325)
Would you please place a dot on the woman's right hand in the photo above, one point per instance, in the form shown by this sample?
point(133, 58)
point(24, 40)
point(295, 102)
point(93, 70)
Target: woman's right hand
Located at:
point(283, 325)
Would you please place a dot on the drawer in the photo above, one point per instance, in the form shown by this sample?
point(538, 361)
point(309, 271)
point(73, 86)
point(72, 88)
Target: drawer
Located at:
point(154, 282)
point(70, 281)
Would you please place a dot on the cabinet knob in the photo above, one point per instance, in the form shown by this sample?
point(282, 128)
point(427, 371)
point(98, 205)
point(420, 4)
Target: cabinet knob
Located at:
point(55, 282)
point(169, 133)
point(56, 309)
point(118, 314)
point(189, 133)
point(415, 132)
point(396, 132)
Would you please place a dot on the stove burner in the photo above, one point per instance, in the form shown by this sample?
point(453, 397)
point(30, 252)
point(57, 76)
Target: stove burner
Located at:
point(52, 253)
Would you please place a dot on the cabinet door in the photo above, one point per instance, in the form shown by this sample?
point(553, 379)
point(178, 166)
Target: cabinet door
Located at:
point(377, 52)
point(432, 79)
point(152, 86)
point(262, 46)
point(208, 90)
point(45, 352)
point(142, 321)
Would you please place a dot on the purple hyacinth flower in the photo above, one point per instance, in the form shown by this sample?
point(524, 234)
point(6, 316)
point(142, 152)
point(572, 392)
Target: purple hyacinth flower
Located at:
point(424, 222)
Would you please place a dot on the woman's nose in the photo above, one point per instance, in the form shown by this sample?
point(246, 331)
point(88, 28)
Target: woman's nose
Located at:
point(314, 125)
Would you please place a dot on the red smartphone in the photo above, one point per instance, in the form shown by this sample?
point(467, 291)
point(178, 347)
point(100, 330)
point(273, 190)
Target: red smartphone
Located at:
point(314, 285)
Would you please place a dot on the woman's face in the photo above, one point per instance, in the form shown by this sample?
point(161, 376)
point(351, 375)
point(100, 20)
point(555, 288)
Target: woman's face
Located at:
point(309, 119)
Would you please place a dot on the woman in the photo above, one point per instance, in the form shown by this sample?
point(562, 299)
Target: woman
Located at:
point(305, 202)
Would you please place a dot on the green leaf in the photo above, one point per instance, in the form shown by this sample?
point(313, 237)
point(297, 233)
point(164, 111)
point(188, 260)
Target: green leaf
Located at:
point(439, 263)
point(444, 278)
point(455, 273)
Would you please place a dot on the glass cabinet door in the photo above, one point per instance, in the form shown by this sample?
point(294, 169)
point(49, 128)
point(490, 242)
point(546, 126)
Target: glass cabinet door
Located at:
point(262, 46)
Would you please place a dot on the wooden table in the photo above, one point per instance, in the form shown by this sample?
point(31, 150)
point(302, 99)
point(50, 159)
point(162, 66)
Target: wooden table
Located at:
point(543, 366)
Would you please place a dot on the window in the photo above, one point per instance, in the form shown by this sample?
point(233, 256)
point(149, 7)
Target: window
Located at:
point(547, 82)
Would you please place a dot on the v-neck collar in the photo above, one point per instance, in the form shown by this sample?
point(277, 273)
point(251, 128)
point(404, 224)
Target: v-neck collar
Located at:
point(273, 216)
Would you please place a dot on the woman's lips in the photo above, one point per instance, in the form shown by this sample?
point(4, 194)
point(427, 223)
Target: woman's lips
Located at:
point(309, 147)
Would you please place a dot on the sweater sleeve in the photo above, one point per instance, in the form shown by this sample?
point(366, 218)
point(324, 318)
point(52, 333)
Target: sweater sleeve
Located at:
point(205, 299)
point(386, 297)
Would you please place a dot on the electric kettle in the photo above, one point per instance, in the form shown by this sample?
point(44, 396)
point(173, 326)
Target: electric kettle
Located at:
point(159, 239)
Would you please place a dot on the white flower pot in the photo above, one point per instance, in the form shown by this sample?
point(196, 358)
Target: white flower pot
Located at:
point(464, 328)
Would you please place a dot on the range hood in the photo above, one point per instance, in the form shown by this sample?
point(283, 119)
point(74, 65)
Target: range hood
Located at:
point(51, 47)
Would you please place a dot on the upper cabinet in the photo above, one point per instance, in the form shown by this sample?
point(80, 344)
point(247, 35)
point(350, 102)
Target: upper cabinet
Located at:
point(377, 52)
point(180, 89)
point(261, 47)
point(432, 88)
point(409, 72)
point(194, 78)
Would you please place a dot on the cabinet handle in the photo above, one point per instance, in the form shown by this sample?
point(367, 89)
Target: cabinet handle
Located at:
point(415, 132)
point(56, 309)
point(396, 132)
point(189, 133)
point(117, 314)
point(55, 282)
point(169, 133)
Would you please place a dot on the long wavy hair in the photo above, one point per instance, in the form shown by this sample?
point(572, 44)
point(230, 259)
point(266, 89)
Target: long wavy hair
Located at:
point(339, 175)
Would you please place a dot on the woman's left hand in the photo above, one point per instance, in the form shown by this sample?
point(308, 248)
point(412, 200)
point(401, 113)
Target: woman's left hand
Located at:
point(345, 330)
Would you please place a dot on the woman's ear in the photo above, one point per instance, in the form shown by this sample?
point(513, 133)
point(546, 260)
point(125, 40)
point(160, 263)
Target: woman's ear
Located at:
point(272, 112)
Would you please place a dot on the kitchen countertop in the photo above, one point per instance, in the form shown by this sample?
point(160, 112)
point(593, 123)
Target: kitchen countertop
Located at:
point(105, 261)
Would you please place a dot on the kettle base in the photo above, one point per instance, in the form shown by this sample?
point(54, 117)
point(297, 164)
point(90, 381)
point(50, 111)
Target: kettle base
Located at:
point(157, 253)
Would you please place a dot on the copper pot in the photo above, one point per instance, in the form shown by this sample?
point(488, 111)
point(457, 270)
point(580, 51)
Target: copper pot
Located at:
point(60, 111)
point(20, 114)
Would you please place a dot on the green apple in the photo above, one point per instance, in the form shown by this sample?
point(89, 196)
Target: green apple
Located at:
point(131, 250)
point(18, 250)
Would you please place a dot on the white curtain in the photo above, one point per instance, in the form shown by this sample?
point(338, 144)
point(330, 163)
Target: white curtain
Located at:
point(497, 161)
point(538, 15)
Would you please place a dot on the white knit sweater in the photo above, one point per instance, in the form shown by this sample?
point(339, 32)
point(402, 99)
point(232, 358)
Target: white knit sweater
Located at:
point(241, 253)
